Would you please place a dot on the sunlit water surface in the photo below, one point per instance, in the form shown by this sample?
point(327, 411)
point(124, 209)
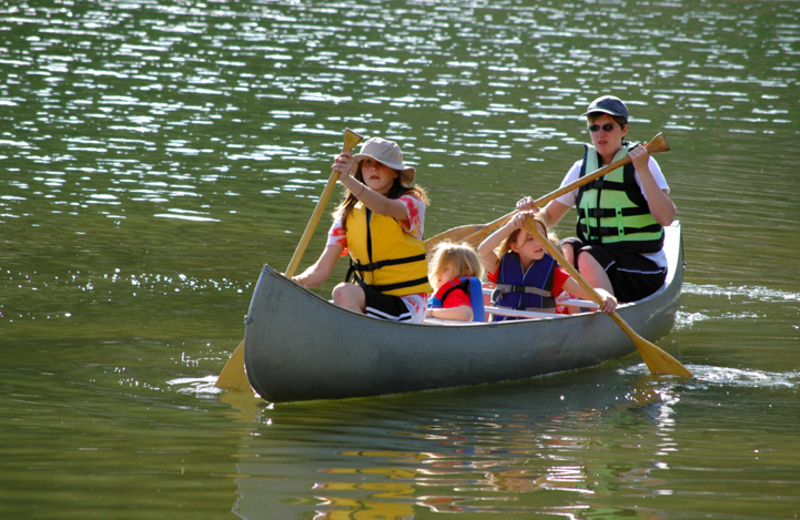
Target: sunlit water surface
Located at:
point(156, 153)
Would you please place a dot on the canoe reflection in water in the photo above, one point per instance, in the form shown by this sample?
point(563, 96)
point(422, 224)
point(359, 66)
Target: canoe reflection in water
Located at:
point(471, 461)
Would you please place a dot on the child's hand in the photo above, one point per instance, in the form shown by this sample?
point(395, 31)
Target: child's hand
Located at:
point(609, 304)
point(519, 218)
point(343, 164)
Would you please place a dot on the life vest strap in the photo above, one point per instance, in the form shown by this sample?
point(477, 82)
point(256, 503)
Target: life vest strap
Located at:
point(389, 287)
point(612, 212)
point(502, 289)
point(613, 232)
point(374, 266)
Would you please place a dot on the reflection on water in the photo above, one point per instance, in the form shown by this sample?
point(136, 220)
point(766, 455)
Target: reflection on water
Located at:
point(528, 461)
point(156, 153)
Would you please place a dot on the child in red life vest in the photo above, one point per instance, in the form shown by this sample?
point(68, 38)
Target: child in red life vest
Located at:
point(455, 271)
point(527, 277)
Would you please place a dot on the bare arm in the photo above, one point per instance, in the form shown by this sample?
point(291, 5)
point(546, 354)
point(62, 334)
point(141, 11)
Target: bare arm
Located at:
point(373, 200)
point(486, 250)
point(461, 313)
point(552, 213)
point(319, 272)
point(609, 304)
point(489, 257)
point(661, 206)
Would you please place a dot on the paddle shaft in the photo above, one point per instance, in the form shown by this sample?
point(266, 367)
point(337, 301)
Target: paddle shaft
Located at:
point(657, 361)
point(351, 139)
point(470, 233)
point(233, 375)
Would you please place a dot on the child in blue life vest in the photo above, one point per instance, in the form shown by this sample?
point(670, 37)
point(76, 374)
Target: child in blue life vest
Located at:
point(527, 277)
point(455, 272)
point(380, 224)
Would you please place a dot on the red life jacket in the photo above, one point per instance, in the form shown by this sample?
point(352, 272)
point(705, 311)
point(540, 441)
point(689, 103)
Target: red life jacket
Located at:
point(470, 285)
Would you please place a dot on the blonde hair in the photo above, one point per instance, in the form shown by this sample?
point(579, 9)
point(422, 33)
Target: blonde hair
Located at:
point(464, 258)
point(505, 245)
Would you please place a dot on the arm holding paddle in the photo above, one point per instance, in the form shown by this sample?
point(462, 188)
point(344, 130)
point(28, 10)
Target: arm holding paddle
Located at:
point(513, 238)
point(319, 273)
point(488, 248)
point(608, 303)
point(233, 376)
point(657, 361)
point(474, 233)
point(377, 202)
point(661, 206)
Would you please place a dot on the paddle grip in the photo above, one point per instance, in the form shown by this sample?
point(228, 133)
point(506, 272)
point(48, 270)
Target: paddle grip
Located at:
point(351, 139)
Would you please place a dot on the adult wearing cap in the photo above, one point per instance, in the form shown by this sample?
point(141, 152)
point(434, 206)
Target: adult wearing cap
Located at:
point(620, 239)
point(380, 224)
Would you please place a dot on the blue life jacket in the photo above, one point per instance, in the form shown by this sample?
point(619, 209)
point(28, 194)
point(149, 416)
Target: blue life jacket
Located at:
point(528, 291)
point(469, 285)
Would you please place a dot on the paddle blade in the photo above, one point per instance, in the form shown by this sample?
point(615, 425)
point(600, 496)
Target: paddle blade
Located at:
point(658, 362)
point(465, 234)
point(233, 376)
point(658, 144)
point(472, 234)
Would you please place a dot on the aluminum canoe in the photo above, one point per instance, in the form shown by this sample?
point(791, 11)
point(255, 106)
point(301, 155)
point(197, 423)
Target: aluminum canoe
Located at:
point(299, 346)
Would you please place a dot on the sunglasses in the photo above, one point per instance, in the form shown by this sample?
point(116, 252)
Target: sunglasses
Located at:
point(606, 127)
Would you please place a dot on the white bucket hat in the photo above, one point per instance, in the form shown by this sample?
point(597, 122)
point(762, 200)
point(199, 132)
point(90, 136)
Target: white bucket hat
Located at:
point(388, 153)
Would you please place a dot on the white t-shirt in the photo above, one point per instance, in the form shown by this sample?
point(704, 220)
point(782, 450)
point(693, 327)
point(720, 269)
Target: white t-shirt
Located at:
point(571, 198)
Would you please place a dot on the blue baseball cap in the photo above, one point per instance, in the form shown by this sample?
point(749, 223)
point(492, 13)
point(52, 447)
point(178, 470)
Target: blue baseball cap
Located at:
point(608, 105)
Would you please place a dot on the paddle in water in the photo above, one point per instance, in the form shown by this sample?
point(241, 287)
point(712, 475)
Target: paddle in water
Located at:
point(474, 234)
point(233, 375)
point(658, 361)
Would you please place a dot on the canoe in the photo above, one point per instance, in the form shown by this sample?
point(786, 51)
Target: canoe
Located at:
point(299, 346)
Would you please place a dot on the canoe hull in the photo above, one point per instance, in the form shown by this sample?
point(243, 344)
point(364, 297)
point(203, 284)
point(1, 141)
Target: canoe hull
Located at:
point(299, 346)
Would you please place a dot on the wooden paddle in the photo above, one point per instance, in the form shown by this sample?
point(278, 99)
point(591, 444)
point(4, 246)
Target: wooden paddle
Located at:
point(233, 376)
point(658, 361)
point(475, 233)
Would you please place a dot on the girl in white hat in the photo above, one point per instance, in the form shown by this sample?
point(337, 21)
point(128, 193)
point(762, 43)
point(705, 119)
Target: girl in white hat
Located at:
point(380, 224)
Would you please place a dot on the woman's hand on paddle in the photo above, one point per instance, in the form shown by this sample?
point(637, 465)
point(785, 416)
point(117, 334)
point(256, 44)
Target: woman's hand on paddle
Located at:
point(640, 157)
point(526, 204)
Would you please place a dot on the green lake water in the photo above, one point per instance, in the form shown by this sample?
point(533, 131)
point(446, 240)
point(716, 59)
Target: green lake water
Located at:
point(155, 154)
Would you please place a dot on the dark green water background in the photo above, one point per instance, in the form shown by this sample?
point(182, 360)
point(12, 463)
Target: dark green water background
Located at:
point(154, 154)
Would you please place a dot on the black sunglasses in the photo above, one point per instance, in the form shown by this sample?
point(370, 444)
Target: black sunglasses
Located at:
point(606, 127)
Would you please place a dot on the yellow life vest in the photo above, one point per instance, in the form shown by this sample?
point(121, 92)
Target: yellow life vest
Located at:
point(385, 257)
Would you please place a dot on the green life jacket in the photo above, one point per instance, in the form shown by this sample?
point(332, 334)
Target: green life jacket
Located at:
point(612, 210)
